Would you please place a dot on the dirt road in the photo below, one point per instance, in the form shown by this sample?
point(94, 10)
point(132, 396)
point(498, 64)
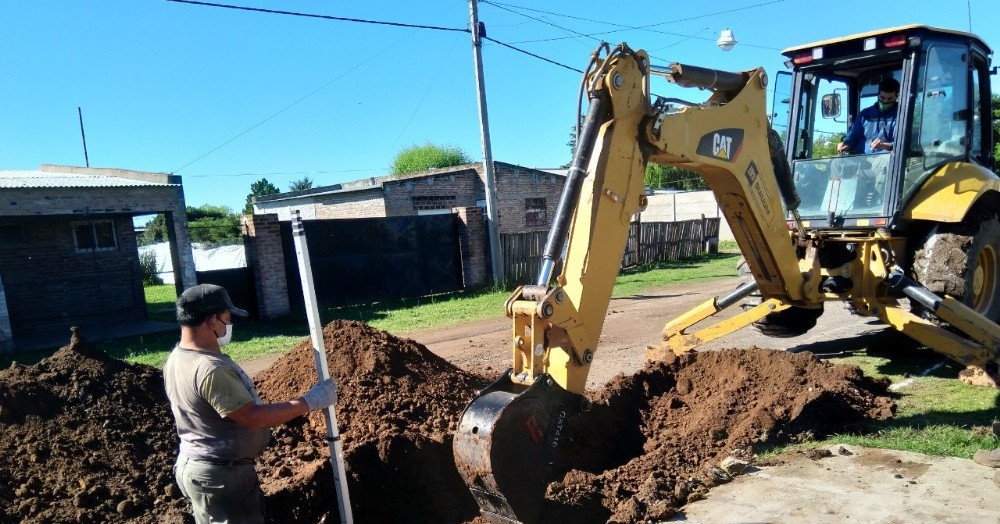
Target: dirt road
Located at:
point(635, 322)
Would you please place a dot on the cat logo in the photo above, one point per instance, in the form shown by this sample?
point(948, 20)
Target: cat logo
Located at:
point(722, 144)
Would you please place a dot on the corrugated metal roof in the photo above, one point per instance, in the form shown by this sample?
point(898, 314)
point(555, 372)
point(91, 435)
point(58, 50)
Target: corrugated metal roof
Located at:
point(33, 179)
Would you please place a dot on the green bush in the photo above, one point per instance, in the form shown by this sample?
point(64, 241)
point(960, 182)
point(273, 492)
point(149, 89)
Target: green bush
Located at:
point(147, 264)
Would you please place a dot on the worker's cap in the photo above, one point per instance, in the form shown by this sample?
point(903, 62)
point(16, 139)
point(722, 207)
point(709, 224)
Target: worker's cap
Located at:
point(207, 299)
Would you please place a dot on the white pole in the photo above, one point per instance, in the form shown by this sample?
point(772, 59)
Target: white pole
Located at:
point(319, 353)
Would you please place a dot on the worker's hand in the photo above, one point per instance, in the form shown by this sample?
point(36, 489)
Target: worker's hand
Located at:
point(878, 145)
point(841, 147)
point(321, 395)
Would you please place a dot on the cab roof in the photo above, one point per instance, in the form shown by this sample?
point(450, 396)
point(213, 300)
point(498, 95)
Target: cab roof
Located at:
point(912, 28)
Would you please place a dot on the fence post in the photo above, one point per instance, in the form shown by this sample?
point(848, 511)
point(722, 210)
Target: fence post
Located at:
point(713, 241)
point(638, 239)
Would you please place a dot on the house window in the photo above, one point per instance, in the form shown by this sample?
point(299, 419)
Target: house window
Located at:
point(433, 203)
point(534, 212)
point(98, 235)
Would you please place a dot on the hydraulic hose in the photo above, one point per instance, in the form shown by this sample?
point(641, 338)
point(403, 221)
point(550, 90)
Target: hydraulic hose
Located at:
point(571, 191)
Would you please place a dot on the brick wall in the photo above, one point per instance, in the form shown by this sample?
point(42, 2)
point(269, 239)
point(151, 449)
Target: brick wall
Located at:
point(265, 257)
point(464, 186)
point(93, 201)
point(362, 204)
point(451, 187)
point(366, 203)
point(472, 238)
point(514, 186)
point(50, 286)
point(82, 202)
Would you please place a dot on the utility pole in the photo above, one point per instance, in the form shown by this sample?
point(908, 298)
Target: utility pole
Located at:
point(83, 135)
point(496, 257)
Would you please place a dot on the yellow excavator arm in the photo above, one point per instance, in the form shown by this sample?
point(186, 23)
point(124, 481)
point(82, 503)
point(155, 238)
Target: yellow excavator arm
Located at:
point(507, 442)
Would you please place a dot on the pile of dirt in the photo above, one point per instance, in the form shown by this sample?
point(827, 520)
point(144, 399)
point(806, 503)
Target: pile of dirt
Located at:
point(88, 438)
point(655, 440)
point(398, 405)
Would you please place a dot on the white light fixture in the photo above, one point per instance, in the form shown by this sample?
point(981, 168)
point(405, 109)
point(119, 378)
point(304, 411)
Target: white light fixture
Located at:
point(726, 40)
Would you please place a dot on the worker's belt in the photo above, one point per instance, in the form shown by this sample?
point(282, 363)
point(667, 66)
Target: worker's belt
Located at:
point(217, 462)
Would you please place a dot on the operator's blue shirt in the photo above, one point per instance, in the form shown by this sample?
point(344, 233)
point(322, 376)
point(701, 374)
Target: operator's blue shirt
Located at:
point(871, 123)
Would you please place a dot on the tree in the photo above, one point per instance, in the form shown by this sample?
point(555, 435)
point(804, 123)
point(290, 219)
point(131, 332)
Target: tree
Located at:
point(258, 189)
point(214, 225)
point(427, 156)
point(572, 147)
point(156, 231)
point(207, 224)
point(825, 144)
point(301, 184)
point(668, 177)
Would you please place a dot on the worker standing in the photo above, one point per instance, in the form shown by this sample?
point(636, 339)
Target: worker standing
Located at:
point(222, 423)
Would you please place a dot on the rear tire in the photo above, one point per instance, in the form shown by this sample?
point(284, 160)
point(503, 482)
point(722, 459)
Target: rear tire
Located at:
point(787, 323)
point(790, 322)
point(963, 260)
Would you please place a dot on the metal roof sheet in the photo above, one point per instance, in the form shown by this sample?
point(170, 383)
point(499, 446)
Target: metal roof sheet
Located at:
point(34, 179)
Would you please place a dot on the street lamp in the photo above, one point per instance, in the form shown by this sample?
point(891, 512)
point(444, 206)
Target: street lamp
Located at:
point(726, 40)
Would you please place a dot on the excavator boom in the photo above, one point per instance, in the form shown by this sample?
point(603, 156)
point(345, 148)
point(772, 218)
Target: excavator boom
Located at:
point(509, 436)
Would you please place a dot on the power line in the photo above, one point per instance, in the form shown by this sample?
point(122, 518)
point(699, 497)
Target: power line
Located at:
point(648, 27)
point(311, 93)
point(343, 19)
point(324, 17)
point(291, 173)
point(532, 54)
point(688, 19)
point(498, 6)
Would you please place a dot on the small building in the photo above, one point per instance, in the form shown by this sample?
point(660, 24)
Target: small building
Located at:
point(68, 252)
point(526, 198)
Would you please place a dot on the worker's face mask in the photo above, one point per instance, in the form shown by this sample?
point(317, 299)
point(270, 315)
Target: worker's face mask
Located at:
point(886, 101)
point(224, 339)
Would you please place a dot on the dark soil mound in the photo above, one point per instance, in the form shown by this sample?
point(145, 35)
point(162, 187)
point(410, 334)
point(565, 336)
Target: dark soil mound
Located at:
point(86, 438)
point(655, 439)
point(397, 409)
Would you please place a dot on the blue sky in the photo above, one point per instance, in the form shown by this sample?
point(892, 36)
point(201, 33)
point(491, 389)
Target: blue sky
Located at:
point(225, 97)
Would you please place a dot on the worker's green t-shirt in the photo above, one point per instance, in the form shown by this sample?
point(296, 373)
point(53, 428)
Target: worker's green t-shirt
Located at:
point(204, 388)
point(223, 389)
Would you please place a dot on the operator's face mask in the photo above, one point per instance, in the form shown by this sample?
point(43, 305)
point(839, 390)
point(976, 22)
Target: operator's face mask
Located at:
point(886, 101)
point(224, 339)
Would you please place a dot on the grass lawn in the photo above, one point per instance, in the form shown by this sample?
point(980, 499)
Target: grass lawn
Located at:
point(936, 413)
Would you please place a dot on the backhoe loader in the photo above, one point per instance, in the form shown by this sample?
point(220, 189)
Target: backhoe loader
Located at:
point(910, 237)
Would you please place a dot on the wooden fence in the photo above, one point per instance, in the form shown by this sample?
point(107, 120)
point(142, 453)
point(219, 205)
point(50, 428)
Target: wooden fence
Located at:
point(647, 242)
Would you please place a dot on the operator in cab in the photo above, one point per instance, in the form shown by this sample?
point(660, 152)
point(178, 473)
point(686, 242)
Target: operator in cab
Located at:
point(874, 130)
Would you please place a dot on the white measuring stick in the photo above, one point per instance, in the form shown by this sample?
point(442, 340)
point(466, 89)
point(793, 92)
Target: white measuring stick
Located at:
point(319, 352)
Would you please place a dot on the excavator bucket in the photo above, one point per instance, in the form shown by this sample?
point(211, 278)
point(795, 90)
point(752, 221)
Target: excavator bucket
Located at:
point(507, 446)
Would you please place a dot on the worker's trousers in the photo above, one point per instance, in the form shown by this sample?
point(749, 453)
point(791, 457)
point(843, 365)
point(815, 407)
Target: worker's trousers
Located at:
point(221, 493)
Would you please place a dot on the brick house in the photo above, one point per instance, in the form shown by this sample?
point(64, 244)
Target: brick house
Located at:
point(68, 252)
point(527, 201)
point(526, 198)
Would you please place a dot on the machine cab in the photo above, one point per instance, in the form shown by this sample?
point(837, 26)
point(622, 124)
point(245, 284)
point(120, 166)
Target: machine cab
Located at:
point(942, 116)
